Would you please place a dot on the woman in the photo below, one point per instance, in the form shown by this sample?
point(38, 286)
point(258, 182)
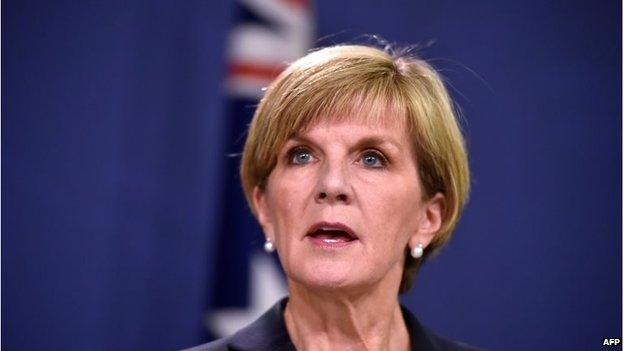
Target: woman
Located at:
point(356, 169)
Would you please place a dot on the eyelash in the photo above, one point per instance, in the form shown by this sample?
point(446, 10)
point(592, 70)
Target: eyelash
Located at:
point(293, 152)
point(368, 152)
point(372, 152)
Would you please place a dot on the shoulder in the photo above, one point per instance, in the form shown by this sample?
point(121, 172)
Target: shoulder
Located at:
point(444, 344)
point(424, 339)
point(269, 333)
point(217, 345)
point(266, 333)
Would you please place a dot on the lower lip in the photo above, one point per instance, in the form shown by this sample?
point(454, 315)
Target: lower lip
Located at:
point(331, 243)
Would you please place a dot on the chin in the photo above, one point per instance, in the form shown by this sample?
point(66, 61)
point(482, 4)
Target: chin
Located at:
point(328, 276)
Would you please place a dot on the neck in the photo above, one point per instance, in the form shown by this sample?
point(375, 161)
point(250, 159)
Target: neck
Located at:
point(335, 320)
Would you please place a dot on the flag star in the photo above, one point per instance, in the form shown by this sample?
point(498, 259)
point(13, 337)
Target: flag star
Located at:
point(267, 286)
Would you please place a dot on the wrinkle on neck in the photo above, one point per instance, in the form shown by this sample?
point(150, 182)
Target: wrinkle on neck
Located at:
point(334, 320)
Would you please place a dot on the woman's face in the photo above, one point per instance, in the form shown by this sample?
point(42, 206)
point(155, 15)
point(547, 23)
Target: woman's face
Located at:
point(344, 201)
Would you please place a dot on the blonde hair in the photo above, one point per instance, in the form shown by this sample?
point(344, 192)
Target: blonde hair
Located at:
point(354, 81)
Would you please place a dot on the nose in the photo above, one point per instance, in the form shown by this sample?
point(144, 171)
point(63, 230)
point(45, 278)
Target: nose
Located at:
point(333, 185)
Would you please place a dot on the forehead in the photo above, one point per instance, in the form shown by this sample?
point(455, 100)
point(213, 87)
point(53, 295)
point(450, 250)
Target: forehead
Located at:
point(387, 129)
point(372, 116)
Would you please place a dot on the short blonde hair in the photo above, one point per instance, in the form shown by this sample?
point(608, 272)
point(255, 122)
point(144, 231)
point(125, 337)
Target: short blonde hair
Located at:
point(355, 81)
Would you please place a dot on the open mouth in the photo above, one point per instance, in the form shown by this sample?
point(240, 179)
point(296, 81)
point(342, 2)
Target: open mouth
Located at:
point(331, 233)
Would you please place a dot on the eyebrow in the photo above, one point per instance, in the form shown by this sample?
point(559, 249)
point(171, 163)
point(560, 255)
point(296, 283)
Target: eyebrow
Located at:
point(367, 141)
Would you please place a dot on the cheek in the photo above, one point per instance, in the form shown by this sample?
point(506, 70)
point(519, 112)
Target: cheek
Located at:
point(393, 209)
point(286, 196)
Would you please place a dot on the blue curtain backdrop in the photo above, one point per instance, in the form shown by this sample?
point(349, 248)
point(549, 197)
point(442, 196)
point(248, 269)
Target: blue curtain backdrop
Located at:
point(113, 145)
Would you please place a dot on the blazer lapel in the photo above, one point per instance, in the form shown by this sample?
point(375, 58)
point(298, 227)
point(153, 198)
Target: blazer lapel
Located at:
point(267, 333)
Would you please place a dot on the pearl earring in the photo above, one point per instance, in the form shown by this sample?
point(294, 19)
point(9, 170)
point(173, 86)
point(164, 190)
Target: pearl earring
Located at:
point(268, 246)
point(417, 251)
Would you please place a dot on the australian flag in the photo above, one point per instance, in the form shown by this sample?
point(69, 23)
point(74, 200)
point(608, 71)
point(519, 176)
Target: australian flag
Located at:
point(266, 36)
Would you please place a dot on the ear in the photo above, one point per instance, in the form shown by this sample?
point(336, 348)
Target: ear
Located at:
point(263, 214)
point(430, 221)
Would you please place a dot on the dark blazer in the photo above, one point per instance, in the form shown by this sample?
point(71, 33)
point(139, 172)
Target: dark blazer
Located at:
point(268, 333)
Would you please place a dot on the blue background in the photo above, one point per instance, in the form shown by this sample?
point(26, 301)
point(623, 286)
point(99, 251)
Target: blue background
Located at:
point(112, 143)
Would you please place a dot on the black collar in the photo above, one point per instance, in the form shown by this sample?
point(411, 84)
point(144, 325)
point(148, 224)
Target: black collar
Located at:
point(269, 333)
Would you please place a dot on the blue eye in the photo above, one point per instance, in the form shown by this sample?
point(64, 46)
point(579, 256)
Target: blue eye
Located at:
point(301, 157)
point(373, 160)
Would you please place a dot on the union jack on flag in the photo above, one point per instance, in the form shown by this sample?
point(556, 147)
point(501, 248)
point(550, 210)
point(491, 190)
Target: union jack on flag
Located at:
point(267, 35)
